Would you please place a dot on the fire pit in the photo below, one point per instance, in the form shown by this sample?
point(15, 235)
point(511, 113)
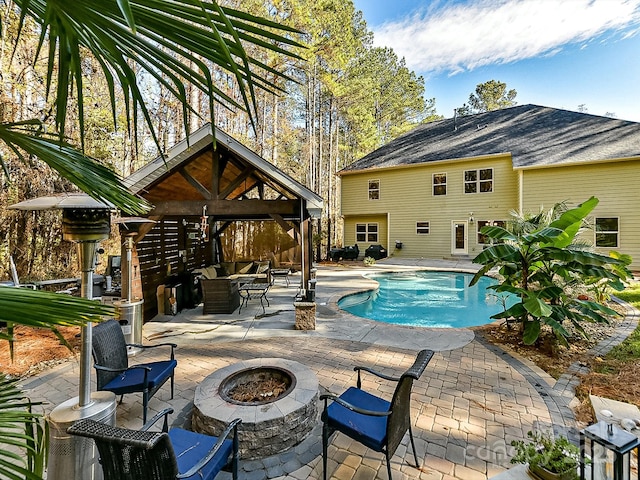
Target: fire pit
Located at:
point(275, 398)
point(258, 385)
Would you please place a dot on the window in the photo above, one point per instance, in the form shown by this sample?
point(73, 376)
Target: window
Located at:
point(422, 228)
point(478, 180)
point(607, 230)
point(483, 239)
point(374, 189)
point(367, 232)
point(439, 183)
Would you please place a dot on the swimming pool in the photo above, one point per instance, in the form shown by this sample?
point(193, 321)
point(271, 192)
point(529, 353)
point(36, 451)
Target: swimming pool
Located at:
point(427, 299)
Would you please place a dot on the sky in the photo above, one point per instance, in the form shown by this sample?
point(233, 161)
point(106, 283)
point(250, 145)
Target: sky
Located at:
point(555, 53)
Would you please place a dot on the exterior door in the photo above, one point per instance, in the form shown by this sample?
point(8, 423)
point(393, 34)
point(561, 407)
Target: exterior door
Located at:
point(459, 245)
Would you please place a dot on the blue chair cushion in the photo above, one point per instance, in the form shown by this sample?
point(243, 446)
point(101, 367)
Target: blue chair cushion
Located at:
point(191, 447)
point(366, 429)
point(132, 380)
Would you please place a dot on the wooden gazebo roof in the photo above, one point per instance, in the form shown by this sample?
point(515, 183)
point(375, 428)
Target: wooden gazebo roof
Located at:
point(193, 175)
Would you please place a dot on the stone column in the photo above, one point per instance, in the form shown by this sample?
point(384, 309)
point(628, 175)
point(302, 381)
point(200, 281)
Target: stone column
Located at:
point(305, 315)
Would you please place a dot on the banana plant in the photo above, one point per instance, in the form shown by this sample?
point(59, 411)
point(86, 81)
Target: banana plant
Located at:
point(541, 261)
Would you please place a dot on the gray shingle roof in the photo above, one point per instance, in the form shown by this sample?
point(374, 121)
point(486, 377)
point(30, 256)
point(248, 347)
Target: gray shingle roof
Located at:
point(534, 136)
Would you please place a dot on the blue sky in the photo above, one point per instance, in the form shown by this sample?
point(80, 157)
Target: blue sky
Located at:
point(556, 53)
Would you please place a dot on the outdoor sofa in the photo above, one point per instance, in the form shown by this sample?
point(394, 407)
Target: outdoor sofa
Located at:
point(252, 270)
point(219, 283)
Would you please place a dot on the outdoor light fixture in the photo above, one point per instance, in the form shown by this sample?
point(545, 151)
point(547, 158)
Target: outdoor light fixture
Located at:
point(86, 222)
point(610, 450)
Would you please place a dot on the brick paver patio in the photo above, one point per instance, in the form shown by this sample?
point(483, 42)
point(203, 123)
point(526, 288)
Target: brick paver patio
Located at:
point(469, 404)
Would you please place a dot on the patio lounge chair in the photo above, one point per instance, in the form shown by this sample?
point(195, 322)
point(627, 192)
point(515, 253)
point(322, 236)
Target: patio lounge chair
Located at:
point(371, 420)
point(112, 365)
point(168, 455)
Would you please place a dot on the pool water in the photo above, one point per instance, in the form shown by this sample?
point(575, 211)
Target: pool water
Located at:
point(427, 299)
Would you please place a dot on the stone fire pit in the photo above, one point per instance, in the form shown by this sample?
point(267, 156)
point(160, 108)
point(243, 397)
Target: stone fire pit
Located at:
point(268, 426)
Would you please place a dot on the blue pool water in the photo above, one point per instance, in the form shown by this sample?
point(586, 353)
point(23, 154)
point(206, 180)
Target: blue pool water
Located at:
point(426, 299)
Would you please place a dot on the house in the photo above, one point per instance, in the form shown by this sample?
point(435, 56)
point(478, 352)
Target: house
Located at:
point(428, 193)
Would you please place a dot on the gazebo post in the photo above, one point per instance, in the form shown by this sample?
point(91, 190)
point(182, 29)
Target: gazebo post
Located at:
point(306, 235)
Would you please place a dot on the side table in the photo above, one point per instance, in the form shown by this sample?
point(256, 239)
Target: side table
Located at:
point(252, 290)
point(281, 273)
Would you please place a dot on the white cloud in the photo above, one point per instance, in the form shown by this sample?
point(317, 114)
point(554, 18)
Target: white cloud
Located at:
point(461, 37)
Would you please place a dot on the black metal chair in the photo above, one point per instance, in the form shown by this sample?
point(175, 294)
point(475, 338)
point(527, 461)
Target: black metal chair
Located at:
point(168, 455)
point(371, 420)
point(112, 365)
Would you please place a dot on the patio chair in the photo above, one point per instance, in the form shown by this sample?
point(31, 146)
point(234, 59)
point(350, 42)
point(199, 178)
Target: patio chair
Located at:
point(168, 455)
point(112, 365)
point(371, 420)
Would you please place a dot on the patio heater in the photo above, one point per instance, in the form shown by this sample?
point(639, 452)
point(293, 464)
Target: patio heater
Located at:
point(130, 309)
point(86, 222)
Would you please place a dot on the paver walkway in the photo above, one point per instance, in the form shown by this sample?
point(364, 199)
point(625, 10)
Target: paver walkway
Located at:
point(469, 404)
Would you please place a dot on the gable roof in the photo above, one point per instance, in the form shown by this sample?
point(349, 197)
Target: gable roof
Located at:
point(533, 135)
point(159, 170)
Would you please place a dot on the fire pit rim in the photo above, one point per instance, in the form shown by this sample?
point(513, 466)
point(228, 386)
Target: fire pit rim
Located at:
point(223, 389)
point(306, 388)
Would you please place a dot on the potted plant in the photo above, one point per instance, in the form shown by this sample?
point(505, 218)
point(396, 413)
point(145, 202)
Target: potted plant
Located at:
point(548, 458)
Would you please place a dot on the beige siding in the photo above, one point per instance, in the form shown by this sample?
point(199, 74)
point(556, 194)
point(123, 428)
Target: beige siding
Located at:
point(350, 230)
point(618, 198)
point(406, 197)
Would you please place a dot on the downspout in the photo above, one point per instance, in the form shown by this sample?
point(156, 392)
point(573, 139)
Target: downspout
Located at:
point(388, 232)
point(520, 191)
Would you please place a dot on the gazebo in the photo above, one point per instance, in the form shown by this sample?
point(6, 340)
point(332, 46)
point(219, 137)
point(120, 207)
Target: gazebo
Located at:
point(200, 188)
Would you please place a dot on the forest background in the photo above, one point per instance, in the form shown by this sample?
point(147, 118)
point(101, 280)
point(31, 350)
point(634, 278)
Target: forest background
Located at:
point(346, 98)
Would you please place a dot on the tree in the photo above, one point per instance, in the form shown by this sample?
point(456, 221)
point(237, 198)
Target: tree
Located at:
point(489, 96)
point(543, 264)
point(350, 98)
point(465, 109)
point(385, 99)
point(134, 42)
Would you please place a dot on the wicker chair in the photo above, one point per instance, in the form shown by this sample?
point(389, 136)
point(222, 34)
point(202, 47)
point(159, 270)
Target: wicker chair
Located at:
point(167, 455)
point(112, 365)
point(370, 420)
point(220, 295)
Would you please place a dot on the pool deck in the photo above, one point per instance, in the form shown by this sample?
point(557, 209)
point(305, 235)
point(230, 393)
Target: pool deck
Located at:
point(472, 400)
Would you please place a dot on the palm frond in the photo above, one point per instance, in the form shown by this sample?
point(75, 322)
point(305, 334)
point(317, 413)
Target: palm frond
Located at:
point(47, 309)
point(172, 41)
point(95, 179)
point(22, 434)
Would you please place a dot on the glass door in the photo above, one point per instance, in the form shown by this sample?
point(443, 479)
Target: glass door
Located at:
point(459, 244)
